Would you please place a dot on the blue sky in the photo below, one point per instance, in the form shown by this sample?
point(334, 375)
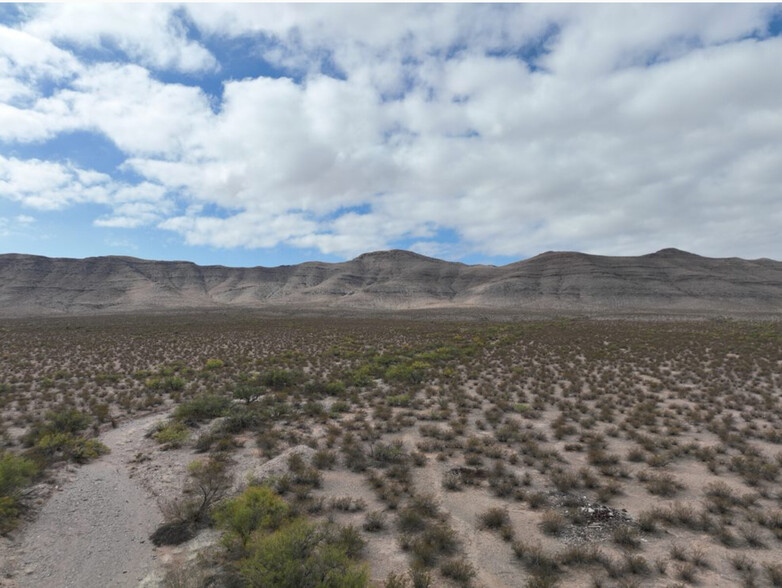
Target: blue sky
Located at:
point(261, 134)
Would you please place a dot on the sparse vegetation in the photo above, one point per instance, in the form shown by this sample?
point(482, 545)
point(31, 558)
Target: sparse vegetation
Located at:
point(560, 423)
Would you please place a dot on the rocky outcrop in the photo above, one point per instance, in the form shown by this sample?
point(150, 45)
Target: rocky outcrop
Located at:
point(669, 280)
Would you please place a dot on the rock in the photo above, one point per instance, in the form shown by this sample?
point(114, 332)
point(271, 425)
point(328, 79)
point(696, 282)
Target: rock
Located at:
point(277, 466)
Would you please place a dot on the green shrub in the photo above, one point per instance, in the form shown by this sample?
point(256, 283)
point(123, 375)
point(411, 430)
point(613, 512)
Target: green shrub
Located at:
point(202, 408)
point(279, 379)
point(214, 364)
point(360, 377)
point(165, 384)
point(258, 507)
point(301, 555)
point(55, 446)
point(412, 373)
point(67, 421)
point(336, 388)
point(247, 393)
point(173, 434)
point(15, 473)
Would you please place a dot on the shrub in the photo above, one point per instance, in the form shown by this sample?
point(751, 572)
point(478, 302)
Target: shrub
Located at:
point(66, 422)
point(15, 473)
point(202, 408)
point(663, 484)
point(399, 400)
point(394, 580)
point(166, 384)
point(420, 576)
point(54, 446)
point(278, 379)
point(324, 459)
point(459, 570)
point(438, 539)
point(413, 373)
point(301, 555)
point(452, 481)
point(686, 572)
point(552, 522)
point(774, 573)
point(347, 539)
point(172, 434)
point(536, 559)
point(410, 520)
point(494, 518)
point(214, 364)
point(626, 537)
point(247, 393)
point(257, 507)
point(375, 521)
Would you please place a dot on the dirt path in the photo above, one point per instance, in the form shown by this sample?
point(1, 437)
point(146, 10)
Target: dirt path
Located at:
point(95, 531)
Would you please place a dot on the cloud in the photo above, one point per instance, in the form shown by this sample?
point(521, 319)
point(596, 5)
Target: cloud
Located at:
point(152, 34)
point(51, 186)
point(614, 129)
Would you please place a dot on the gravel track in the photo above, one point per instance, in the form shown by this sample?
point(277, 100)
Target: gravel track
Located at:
point(95, 531)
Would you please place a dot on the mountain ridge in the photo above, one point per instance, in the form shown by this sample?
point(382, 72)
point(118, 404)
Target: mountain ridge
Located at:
point(554, 281)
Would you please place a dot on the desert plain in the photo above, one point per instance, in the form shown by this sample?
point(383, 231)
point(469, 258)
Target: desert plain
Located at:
point(184, 449)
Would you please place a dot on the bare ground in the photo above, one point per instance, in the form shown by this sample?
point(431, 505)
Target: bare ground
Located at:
point(95, 530)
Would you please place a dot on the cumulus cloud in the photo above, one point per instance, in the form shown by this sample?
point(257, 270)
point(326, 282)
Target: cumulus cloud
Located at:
point(152, 34)
point(615, 129)
point(50, 186)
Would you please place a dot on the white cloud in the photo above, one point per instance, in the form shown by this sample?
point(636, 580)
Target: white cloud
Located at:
point(23, 53)
point(152, 34)
point(50, 186)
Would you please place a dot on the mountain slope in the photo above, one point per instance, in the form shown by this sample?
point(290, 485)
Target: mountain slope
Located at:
point(554, 281)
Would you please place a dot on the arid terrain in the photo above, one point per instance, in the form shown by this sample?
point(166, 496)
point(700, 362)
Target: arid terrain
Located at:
point(668, 281)
point(409, 453)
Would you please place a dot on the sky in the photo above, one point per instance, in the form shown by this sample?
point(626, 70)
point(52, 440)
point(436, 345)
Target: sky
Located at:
point(270, 134)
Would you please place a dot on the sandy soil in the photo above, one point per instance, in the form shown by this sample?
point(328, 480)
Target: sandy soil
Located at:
point(95, 530)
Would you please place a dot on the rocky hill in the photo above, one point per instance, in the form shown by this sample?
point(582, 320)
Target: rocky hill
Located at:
point(668, 280)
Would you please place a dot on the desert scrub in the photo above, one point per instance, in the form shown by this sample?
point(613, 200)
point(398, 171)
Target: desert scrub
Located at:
point(56, 446)
point(202, 408)
point(258, 507)
point(214, 364)
point(207, 484)
point(15, 473)
point(552, 522)
point(68, 420)
point(494, 518)
point(375, 521)
point(165, 384)
point(301, 555)
point(171, 434)
point(279, 379)
point(460, 571)
point(59, 438)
